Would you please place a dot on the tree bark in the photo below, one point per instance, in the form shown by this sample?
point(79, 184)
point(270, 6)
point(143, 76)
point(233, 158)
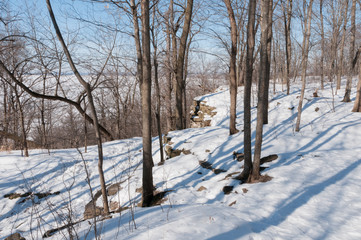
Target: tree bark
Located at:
point(247, 91)
point(147, 195)
point(137, 42)
point(347, 96)
point(287, 16)
point(305, 46)
point(340, 68)
point(268, 64)
point(22, 124)
point(180, 65)
point(322, 46)
point(232, 69)
point(264, 61)
point(357, 103)
point(169, 88)
point(157, 88)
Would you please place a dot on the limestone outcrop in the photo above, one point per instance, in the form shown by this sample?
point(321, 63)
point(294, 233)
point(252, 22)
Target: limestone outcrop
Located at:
point(201, 114)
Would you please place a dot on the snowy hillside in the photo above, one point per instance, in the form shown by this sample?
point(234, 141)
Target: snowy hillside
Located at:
point(314, 193)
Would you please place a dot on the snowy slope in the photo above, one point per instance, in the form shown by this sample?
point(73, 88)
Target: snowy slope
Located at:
point(314, 193)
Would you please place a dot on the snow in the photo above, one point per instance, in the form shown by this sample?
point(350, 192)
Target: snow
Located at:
point(314, 193)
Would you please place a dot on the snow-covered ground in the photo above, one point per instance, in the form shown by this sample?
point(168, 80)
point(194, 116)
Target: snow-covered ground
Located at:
point(314, 193)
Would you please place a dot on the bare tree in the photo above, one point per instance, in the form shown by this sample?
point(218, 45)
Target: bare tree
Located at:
point(287, 17)
point(147, 195)
point(247, 91)
point(305, 49)
point(232, 68)
point(156, 81)
point(262, 82)
point(350, 68)
point(357, 104)
point(268, 62)
point(179, 71)
point(340, 64)
point(88, 90)
point(322, 45)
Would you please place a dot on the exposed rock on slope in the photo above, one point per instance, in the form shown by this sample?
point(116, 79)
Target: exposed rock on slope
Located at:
point(201, 114)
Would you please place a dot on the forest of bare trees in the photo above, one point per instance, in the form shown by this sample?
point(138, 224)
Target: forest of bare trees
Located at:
point(78, 73)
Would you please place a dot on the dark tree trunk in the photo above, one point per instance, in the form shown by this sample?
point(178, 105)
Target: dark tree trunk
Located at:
point(147, 195)
point(247, 91)
point(169, 76)
point(232, 69)
point(322, 46)
point(157, 88)
point(287, 16)
point(137, 43)
point(264, 61)
point(268, 64)
point(180, 65)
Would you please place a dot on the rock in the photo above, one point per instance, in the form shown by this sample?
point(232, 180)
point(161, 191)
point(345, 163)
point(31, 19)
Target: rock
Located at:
point(238, 156)
point(114, 189)
point(227, 189)
point(166, 139)
point(207, 123)
point(170, 152)
point(15, 236)
point(201, 188)
point(199, 112)
point(218, 170)
point(244, 190)
point(315, 94)
point(269, 158)
point(232, 203)
point(114, 206)
point(207, 165)
point(317, 109)
point(91, 212)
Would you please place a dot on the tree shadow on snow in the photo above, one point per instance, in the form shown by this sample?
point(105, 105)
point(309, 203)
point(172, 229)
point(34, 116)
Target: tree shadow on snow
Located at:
point(287, 207)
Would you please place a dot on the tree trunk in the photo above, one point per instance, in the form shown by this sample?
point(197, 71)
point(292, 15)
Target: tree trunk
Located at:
point(169, 76)
point(305, 46)
point(157, 88)
point(357, 103)
point(232, 69)
point(180, 65)
point(268, 64)
point(340, 68)
point(22, 124)
point(87, 88)
point(287, 16)
point(147, 195)
point(322, 46)
point(347, 97)
point(137, 42)
point(184, 85)
point(247, 91)
point(264, 61)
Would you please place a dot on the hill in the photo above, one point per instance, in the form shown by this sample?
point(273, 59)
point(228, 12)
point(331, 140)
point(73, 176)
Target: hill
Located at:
point(313, 194)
